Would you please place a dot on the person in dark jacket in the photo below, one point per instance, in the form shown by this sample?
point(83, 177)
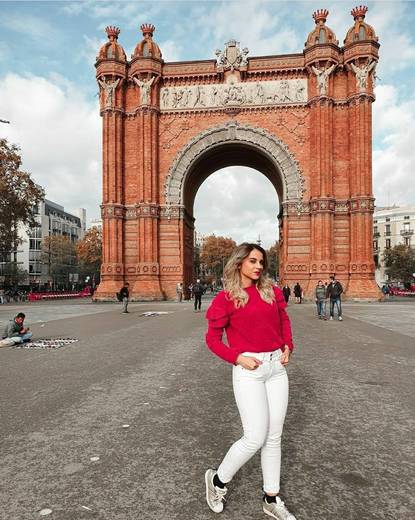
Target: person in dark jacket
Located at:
point(124, 295)
point(286, 291)
point(321, 292)
point(198, 292)
point(298, 293)
point(334, 291)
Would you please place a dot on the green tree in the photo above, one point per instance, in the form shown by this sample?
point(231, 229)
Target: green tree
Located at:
point(59, 254)
point(215, 252)
point(18, 196)
point(400, 263)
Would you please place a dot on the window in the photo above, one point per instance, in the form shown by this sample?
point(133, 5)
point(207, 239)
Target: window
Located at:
point(388, 219)
point(407, 241)
point(375, 221)
point(387, 229)
point(35, 244)
point(406, 217)
point(388, 243)
point(375, 245)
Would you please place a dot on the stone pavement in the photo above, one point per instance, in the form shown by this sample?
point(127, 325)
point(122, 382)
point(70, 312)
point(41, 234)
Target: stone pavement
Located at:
point(348, 438)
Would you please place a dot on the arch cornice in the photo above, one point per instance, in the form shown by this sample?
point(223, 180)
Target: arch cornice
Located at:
point(235, 132)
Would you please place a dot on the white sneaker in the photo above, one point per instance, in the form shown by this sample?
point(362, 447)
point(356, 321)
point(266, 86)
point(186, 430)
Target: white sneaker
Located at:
point(331, 318)
point(340, 318)
point(277, 510)
point(215, 496)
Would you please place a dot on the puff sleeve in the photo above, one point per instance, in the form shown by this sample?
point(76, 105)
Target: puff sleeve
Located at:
point(285, 325)
point(218, 316)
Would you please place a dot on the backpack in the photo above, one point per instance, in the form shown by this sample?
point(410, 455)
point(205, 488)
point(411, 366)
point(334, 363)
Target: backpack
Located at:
point(119, 297)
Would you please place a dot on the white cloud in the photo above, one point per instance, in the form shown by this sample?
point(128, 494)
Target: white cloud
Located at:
point(32, 26)
point(59, 133)
point(394, 153)
point(240, 203)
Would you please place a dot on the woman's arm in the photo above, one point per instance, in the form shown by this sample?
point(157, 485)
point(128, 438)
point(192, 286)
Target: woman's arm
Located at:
point(284, 319)
point(218, 318)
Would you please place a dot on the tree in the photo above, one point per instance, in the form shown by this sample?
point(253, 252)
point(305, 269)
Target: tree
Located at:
point(89, 253)
point(59, 254)
point(18, 196)
point(273, 254)
point(215, 252)
point(400, 263)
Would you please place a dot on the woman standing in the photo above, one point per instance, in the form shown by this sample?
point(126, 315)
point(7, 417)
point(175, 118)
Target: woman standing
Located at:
point(298, 293)
point(252, 311)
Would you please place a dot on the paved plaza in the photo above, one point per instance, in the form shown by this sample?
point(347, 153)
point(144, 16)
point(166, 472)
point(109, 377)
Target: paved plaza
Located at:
point(348, 439)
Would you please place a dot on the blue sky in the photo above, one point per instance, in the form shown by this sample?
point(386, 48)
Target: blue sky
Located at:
point(48, 89)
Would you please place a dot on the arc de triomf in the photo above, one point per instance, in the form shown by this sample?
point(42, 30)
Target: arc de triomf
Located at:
point(304, 120)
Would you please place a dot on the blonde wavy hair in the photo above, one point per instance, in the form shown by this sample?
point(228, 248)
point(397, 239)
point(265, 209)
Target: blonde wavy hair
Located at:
point(232, 276)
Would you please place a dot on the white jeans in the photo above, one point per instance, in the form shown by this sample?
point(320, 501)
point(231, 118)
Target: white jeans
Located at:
point(262, 397)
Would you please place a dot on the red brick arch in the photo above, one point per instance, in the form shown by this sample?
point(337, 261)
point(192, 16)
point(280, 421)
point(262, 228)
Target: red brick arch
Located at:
point(303, 120)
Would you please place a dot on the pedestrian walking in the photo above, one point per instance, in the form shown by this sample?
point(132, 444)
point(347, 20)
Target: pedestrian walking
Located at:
point(252, 312)
point(286, 291)
point(123, 296)
point(321, 294)
point(198, 292)
point(298, 293)
point(16, 331)
point(179, 292)
point(334, 291)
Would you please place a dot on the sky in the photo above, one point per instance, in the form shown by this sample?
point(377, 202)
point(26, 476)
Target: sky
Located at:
point(48, 92)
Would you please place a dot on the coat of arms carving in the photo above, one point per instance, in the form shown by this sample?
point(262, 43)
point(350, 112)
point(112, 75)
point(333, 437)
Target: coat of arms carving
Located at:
point(232, 57)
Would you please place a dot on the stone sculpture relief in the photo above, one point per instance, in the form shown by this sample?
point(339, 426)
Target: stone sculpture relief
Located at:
point(108, 89)
point(235, 94)
point(232, 57)
point(322, 77)
point(362, 73)
point(145, 88)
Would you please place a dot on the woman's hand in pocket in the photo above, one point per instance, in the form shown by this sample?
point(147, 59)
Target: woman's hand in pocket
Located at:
point(249, 363)
point(285, 356)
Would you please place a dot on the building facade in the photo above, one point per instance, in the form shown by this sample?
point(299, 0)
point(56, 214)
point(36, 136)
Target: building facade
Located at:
point(52, 220)
point(303, 120)
point(391, 226)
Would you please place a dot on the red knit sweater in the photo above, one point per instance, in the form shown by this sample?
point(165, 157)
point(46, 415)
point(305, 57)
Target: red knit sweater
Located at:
point(257, 327)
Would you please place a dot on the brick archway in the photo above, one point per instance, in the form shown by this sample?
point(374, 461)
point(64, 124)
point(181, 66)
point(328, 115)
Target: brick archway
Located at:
point(303, 120)
point(289, 182)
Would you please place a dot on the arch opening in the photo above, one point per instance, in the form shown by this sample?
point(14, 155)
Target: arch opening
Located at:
point(227, 155)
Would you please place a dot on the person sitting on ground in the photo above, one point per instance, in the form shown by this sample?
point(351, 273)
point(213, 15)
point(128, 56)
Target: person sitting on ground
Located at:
point(16, 331)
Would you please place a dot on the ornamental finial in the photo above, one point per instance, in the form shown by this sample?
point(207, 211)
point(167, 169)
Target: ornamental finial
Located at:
point(147, 29)
point(359, 12)
point(112, 32)
point(320, 16)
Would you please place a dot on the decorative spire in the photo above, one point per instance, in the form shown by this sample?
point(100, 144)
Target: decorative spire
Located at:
point(320, 16)
point(112, 32)
point(147, 29)
point(359, 12)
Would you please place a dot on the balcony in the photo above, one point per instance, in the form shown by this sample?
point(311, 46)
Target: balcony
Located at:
point(376, 234)
point(407, 232)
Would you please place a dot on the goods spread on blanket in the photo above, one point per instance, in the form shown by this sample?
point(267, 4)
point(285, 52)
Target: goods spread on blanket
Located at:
point(47, 343)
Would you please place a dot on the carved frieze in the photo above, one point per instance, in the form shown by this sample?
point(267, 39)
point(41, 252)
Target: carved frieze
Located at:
point(112, 268)
point(112, 211)
point(170, 211)
point(237, 94)
point(171, 269)
point(148, 268)
point(362, 205)
point(323, 205)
